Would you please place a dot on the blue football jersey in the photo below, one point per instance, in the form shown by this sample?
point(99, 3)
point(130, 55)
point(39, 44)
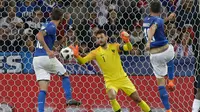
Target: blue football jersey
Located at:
point(159, 39)
point(49, 38)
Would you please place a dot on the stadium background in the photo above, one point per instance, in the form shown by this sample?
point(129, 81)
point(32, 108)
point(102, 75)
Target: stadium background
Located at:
point(20, 20)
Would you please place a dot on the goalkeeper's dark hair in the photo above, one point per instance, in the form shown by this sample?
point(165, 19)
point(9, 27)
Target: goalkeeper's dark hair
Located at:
point(100, 32)
point(155, 6)
point(57, 14)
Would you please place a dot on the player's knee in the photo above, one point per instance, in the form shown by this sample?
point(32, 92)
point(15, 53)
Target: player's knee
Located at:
point(135, 97)
point(43, 88)
point(161, 81)
point(111, 94)
point(112, 97)
point(43, 84)
point(66, 74)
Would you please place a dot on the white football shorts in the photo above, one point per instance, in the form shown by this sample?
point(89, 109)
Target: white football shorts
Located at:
point(159, 61)
point(43, 66)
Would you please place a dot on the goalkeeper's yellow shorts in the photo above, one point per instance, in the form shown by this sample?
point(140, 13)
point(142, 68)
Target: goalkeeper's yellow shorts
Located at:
point(123, 84)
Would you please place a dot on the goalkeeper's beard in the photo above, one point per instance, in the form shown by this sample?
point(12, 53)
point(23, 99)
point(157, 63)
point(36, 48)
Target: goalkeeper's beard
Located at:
point(103, 45)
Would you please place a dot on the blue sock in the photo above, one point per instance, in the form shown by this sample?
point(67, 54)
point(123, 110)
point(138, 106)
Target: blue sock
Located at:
point(41, 100)
point(164, 97)
point(170, 65)
point(67, 87)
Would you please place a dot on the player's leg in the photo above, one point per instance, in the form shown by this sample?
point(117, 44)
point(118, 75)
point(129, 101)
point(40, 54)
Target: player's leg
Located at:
point(67, 88)
point(170, 86)
point(196, 102)
point(61, 71)
point(43, 84)
point(43, 78)
point(143, 105)
point(159, 65)
point(112, 97)
point(170, 65)
point(112, 93)
point(127, 86)
point(163, 93)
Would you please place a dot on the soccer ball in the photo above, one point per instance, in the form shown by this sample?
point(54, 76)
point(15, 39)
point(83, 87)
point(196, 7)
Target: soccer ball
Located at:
point(67, 53)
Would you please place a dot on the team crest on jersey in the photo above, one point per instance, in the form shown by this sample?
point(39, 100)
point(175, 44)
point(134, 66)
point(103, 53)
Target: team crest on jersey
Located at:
point(113, 51)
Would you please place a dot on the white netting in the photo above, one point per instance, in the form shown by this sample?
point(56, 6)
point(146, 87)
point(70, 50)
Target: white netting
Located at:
point(20, 21)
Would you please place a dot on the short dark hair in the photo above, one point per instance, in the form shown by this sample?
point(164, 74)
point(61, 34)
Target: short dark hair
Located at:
point(57, 14)
point(100, 32)
point(155, 7)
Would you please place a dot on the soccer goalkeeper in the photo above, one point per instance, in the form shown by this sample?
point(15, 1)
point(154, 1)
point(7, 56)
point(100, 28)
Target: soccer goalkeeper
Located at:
point(108, 58)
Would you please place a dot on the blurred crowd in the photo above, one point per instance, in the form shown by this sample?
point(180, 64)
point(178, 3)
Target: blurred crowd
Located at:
point(20, 21)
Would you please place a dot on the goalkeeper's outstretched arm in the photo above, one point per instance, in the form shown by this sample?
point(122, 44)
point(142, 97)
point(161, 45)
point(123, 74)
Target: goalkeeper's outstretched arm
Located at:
point(80, 59)
point(87, 58)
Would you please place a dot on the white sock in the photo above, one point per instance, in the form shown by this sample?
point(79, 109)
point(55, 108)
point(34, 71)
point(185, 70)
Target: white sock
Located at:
point(196, 105)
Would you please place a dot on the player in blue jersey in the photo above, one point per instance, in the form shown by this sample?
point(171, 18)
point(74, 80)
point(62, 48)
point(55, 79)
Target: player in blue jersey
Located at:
point(161, 53)
point(45, 62)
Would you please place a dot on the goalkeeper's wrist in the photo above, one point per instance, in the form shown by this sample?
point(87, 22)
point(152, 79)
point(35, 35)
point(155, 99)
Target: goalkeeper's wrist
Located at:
point(126, 40)
point(77, 56)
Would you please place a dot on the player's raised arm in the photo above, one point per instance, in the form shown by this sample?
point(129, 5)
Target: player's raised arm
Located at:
point(40, 37)
point(82, 60)
point(127, 46)
point(151, 33)
point(170, 17)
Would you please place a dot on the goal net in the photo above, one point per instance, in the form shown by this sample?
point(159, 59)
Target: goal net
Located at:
point(20, 21)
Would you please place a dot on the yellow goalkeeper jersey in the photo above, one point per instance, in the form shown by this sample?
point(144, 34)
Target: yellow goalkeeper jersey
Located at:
point(108, 60)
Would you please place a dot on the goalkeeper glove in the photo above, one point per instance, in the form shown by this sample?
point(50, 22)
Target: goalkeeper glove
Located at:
point(75, 50)
point(125, 36)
